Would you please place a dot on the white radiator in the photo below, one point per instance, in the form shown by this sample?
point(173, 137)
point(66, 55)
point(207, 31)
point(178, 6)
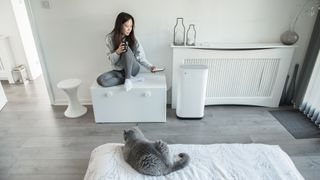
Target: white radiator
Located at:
point(245, 75)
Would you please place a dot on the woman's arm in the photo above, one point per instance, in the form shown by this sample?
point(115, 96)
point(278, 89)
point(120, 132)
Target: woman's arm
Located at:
point(141, 57)
point(111, 53)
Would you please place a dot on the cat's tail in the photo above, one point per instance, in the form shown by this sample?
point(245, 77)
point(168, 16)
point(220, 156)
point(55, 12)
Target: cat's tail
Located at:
point(181, 163)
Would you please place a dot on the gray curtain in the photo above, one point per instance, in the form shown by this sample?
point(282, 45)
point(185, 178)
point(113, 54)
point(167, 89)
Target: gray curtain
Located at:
point(309, 61)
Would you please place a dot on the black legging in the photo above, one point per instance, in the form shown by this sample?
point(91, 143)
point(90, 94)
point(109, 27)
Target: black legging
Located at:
point(114, 77)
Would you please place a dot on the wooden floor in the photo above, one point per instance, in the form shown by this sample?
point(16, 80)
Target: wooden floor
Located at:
point(37, 142)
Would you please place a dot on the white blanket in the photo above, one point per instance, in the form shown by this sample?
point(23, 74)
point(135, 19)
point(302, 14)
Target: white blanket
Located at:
point(216, 161)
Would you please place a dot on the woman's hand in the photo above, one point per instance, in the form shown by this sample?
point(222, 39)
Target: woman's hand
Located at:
point(152, 69)
point(121, 48)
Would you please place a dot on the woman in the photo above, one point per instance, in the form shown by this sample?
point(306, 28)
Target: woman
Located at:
point(125, 53)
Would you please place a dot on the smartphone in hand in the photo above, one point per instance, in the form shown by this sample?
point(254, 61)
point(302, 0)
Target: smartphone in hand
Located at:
point(158, 69)
point(124, 43)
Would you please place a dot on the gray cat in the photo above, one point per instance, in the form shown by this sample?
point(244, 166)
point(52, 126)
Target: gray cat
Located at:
point(148, 157)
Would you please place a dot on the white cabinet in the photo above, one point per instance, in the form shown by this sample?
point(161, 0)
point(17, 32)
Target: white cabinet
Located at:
point(3, 98)
point(6, 60)
point(145, 102)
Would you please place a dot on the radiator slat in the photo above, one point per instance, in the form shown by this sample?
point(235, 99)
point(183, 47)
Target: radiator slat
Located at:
point(243, 77)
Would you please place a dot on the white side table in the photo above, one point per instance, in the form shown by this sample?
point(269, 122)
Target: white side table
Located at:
point(70, 87)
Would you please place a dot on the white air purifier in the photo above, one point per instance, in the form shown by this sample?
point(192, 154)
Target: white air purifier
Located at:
point(191, 91)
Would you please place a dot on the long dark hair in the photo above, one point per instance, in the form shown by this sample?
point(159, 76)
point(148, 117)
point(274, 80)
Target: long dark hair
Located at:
point(116, 39)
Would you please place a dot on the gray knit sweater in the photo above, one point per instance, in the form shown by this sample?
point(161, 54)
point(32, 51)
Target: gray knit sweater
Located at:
point(114, 57)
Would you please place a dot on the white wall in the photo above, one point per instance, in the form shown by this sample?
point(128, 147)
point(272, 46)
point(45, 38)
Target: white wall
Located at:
point(72, 32)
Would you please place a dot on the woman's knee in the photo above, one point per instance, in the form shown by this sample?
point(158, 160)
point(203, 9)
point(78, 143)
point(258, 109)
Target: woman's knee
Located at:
point(111, 78)
point(110, 82)
point(103, 78)
point(101, 81)
point(128, 54)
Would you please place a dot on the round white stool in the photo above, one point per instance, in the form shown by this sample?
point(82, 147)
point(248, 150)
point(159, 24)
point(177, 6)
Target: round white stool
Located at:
point(70, 87)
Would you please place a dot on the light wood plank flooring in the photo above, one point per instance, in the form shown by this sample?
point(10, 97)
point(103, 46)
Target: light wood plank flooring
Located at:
point(37, 142)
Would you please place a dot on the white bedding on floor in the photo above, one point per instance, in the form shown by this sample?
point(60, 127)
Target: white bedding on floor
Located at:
point(216, 161)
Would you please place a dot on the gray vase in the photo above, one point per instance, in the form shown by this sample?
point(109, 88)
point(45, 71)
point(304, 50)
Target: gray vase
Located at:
point(289, 37)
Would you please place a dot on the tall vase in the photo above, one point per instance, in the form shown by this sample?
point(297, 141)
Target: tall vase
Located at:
point(179, 33)
point(292, 86)
point(191, 35)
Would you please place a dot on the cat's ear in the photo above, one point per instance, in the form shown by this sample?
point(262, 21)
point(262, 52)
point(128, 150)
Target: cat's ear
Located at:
point(125, 132)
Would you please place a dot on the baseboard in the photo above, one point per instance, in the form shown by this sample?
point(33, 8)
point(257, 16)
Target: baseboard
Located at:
point(60, 102)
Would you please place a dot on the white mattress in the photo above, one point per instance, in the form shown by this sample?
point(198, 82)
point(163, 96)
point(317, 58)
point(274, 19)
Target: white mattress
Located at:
point(216, 161)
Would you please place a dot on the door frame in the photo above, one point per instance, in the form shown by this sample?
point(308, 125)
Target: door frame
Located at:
point(41, 52)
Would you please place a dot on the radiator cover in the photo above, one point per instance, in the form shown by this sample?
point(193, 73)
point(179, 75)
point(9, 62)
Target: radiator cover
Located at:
point(241, 75)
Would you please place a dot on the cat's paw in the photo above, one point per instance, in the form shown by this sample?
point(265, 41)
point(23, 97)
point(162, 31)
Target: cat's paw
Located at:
point(162, 146)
